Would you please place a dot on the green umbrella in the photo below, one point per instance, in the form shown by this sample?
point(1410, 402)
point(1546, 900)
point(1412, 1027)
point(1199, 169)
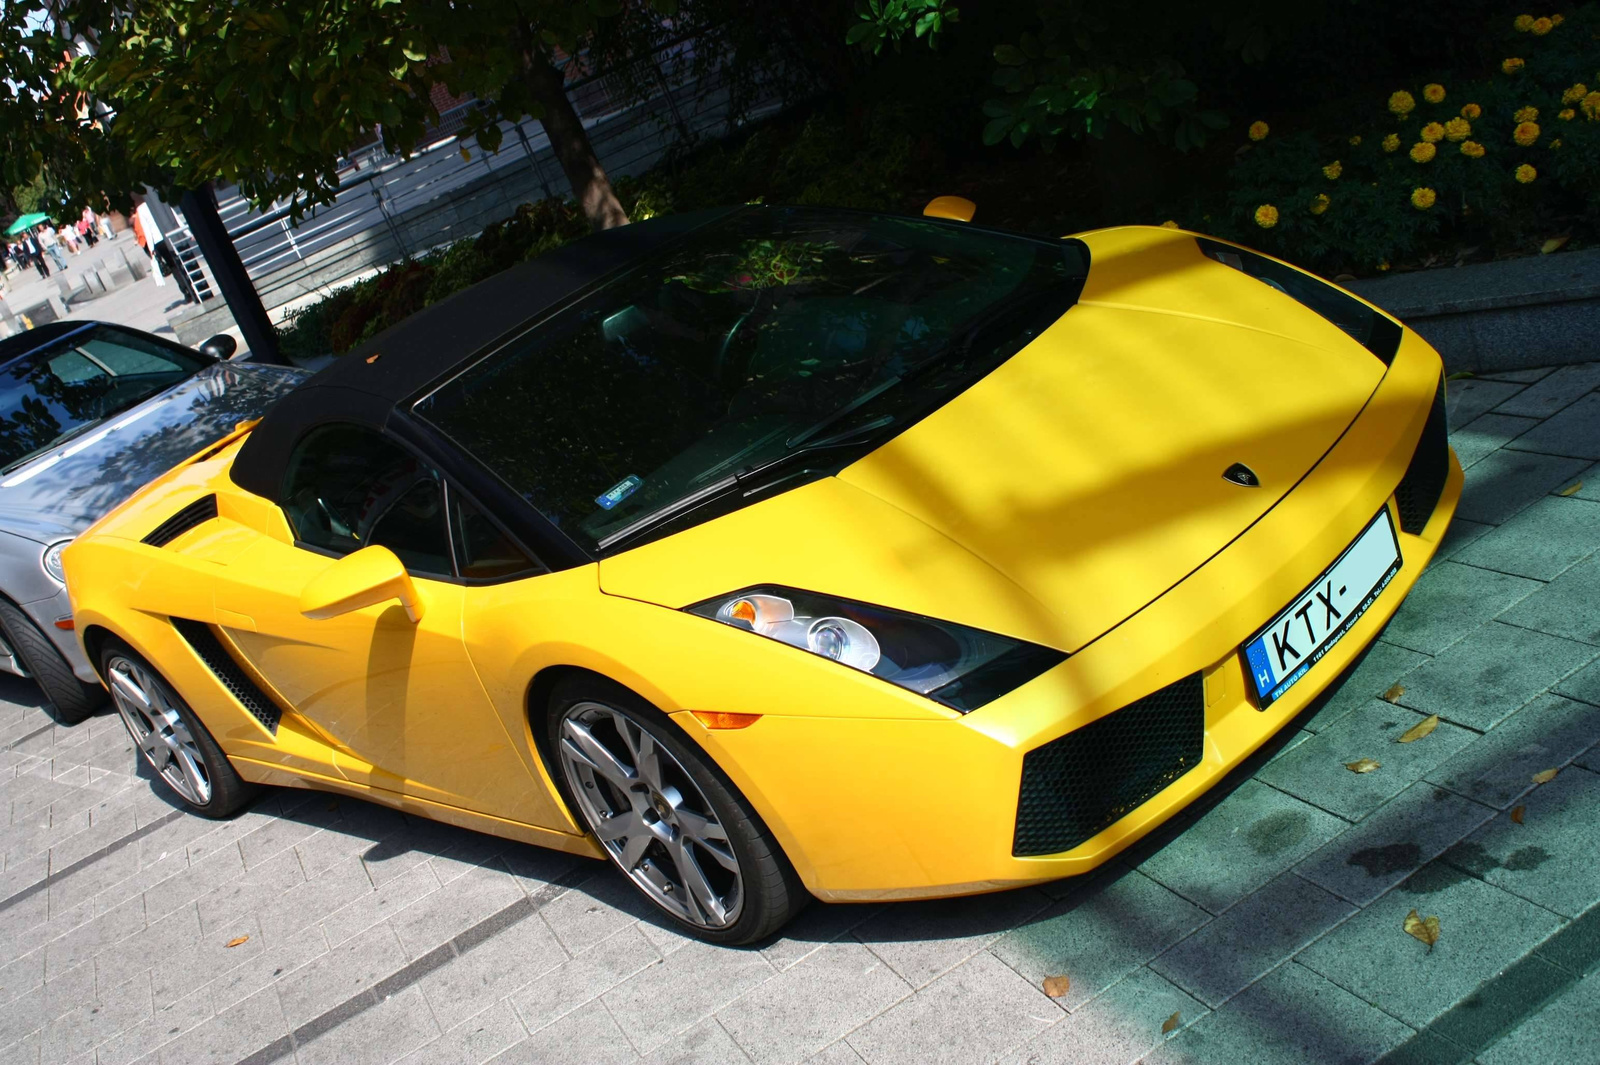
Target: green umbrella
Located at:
point(27, 221)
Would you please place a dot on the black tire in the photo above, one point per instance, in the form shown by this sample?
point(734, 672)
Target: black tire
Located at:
point(71, 700)
point(228, 791)
point(771, 893)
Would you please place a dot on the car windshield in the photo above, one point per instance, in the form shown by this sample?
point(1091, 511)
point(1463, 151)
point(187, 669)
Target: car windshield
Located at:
point(768, 334)
point(62, 390)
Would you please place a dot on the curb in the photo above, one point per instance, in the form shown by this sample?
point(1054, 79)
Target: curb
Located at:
point(1514, 314)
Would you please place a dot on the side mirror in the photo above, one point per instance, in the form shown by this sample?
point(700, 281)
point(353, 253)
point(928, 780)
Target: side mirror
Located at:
point(219, 347)
point(360, 579)
point(955, 208)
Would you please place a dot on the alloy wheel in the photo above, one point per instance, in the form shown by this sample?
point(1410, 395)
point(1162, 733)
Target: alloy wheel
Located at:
point(651, 817)
point(158, 728)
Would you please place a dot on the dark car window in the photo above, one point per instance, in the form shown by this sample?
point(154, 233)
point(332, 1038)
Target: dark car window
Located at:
point(347, 488)
point(67, 387)
point(740, 345)
point(483, 551)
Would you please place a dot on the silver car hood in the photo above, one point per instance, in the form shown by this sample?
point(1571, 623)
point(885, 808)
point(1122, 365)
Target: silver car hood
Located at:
point(64, 491)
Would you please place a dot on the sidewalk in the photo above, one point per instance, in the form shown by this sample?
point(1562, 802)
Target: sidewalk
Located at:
point(1268, 929)
point(141, 304)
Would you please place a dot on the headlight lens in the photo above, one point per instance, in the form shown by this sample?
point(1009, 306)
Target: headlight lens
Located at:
point(52, 561)
point(961, 667)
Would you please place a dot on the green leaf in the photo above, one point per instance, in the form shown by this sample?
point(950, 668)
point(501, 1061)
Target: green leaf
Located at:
point(860, 32)
point(996, 130)
point(1009, 55)
point(416, 55)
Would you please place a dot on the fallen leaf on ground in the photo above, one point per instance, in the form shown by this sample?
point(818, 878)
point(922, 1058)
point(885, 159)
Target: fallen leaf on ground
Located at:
point(1545, 776)
point(1056, 986)
point(1420, 729)
point(1554, 244)
point(1342, 278)
point(1363, 765)
point(1393, 694)
point(1425, 930)
point(1516, 814)
point(1171, 1022)
point(1460, 375)
point(1571, 489)
point(236, 940)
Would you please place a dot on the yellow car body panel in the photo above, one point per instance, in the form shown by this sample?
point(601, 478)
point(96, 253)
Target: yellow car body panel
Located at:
point(1099, 532)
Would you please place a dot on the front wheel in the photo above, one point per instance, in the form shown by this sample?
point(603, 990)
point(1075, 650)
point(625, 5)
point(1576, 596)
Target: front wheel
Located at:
point(675, 826)
point(71, 700)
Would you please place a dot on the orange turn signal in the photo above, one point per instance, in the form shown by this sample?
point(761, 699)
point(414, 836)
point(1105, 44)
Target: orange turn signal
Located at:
point(716, 719)
point(65, 623)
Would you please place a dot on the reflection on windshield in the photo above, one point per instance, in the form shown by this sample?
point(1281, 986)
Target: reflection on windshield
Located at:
point(50, 396)
point(773, 331)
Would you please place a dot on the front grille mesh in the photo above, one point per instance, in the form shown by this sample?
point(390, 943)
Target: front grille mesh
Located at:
point(199, 636)
point(1423, 483)
point(1075, 786)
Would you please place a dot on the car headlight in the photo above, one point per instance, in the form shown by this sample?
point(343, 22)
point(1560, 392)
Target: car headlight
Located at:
point(960, 667)
point(52, 561)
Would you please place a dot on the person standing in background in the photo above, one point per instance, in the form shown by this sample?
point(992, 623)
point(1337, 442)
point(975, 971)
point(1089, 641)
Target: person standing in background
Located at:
point(30, 245)
point(51, 244)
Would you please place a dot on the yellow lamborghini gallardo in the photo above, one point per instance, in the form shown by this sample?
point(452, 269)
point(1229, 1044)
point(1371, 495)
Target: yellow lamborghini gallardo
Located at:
point(783, 552)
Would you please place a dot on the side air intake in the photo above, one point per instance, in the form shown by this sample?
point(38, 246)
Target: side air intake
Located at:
point(199, 636)
point(197, 513)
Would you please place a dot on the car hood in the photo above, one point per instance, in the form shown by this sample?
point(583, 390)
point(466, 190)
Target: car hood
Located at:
point(65, 490)
point(1074, 484)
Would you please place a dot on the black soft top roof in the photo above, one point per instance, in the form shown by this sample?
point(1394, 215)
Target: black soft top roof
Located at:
point(365, 385)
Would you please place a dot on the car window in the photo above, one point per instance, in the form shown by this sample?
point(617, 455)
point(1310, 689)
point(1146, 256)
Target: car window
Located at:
point(348, 487)
point(483, 551)
point(125, 357)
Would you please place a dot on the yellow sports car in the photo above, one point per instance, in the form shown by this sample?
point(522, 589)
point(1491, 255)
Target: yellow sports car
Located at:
point(786, 552)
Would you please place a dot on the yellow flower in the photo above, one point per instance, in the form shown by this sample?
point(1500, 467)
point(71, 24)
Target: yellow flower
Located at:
point(1422, 198)
point(1458, 129)
point(1383, 264)
point(1471, 111)
point(1391, 142)
point(1169, 224)
point(1355, 140)
point(1556, 20)
point(1526, 114)
point(1566, 114)
point(1522, 23)
point(1433, 133)
point(1555, 144)
point(1472, 149)
point(1319, 203)
point(1433, 92)
point(1541, 26)
point(1422, 152)
point(1525, 174)
point(1258, 131)
point(1525, 133)
point(1266, 216)
point(1510, 66)
point(1401, 103)
point(1333, 170)
point(1575, 93)
point(1591, 106)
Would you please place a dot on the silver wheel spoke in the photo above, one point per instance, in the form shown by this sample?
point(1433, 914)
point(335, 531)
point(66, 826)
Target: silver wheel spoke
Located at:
point(647, 761)
point(700, 827)
point(194, 774)
point(633, 853)
point(580, 743)
point(695, 880)
point(129, 689)
point(619, 825)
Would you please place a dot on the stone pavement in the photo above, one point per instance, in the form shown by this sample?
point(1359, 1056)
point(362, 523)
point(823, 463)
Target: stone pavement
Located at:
point(1265, 929)
point(141, 304)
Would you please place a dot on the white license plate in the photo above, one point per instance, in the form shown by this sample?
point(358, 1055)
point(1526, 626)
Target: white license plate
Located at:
point(1295, 640)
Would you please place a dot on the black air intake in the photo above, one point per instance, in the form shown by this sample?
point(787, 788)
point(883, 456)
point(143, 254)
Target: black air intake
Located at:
point(197, 513)
point(1424, 481)
point(199, 636)
point(1075, 786)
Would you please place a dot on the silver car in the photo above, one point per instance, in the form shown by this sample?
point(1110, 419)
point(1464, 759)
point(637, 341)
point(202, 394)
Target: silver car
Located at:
point(89, 412)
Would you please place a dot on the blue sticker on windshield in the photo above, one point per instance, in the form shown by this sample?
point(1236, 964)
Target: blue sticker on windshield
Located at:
point(618, 492)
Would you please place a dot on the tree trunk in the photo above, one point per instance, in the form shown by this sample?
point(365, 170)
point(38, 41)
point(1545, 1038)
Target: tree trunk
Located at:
point(570, 140)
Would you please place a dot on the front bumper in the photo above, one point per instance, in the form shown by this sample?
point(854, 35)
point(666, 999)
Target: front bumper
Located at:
point(45, 613)
point(880, 809)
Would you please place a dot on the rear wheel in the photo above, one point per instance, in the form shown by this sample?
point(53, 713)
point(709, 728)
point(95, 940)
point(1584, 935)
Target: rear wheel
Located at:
point(71, 700)
point(170, 736)
point(675, 826)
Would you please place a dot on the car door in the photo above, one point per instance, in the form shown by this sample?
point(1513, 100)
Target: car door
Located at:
point(398, 700)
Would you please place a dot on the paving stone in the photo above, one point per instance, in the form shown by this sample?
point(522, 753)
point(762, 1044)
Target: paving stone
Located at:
point(1482, 930)
point(698, 980)
point(1542, 542)
point(573, 984)
point(437, 917)
point(818, 924)
point(1565, 606)
point(275, 958)
point(394, 1027)
point(167, 1024)
point(1524, 377)
point(1505, 482)
point(497, 967)
point(308, 902)
point(127, 958)
point(808, 1006)
point(1482, 681)
point(1409, 831)
point(1563, 1031)
point(1100, 936)
point(94, 1021)
point(1460, 533)
point(369, 907)
point(224, 906)
point(1250, 939)
point(840, 1053)
point(343, 972)
point(1496, 768)
point(594, 912)
point(1451, 601)
point(1316, 770)
point(1468, 397)
point(474, 1040)
point(1380, 669)
point(1291, 1017)
point(1122, 1025)
point(591, 1036)
point(1588, 484)
point(1555, 392)
point(975, 1012)
point(206, 959)
point(87, 940)
point(232, 1034)
point(1574, 432)
point(179, 879)
point(1550, 858)
point(1485, 434)
point(922, 940)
